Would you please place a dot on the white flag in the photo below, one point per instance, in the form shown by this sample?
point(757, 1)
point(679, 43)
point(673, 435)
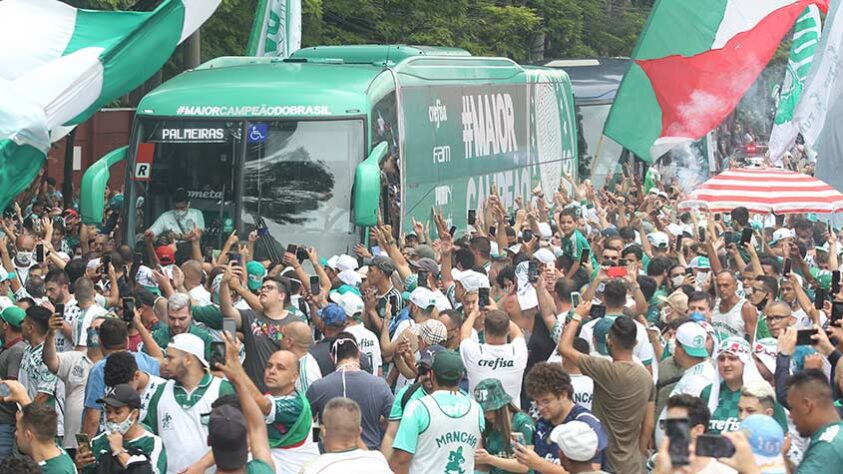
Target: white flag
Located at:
point(276, 30)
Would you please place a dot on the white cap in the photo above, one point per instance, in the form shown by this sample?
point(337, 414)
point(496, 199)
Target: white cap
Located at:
point(781, 234)
point(422, 297)
point(190, 343)
point(349, 302)
point(659, 239)
point(544, 230)
point(544, 256)
point(471, 280)
point(576, 440)
point(350, 277)
point(345, 262)
point(93, 264)
point(692, 337)
point(766, 349)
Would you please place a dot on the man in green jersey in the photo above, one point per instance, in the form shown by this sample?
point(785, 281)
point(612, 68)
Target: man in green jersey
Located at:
point(125, 444)
point(814, 415)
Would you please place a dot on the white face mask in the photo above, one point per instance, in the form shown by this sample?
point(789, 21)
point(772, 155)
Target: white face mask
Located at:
point(663, 313)
point(671, 346)
point(121, 427)
point(677, 280)
point(24, 259)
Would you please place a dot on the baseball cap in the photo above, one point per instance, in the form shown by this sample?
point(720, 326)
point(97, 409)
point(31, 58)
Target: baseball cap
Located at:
point(425, 264)
point(190, 343)
point(333, 315)
point(429, 353)
point(422, 297)
point(6, 275)
point(659, 239)
point(92, 264)
point(423, 251)
point(544, 256)
point(145, 279)
point(256, 272)
point(431, 331)
point(544, 230)
point(576, 440)
point(70, 212)
point(765, 437)
point(448, 366)
point(677, 300)
point(600, 331)
point(700, 262)
point(471, 280)
point(227, 437)
point(781, 234)
point(384, 263)
point(13, 315)
point(166, 255)
point(692, 337)
point(350, 277)
point(350, 302)
point(122, 395)
point(489, 393)
point(345, 262)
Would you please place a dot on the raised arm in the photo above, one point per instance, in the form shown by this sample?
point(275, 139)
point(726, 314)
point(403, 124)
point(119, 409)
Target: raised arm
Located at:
point(49, 354)
point(228, 310)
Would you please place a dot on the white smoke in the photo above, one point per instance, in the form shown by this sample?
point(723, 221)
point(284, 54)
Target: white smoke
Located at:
point(687, 167)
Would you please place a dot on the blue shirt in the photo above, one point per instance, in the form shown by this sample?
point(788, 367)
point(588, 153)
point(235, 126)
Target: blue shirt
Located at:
point(549, 450)
point(95, 388)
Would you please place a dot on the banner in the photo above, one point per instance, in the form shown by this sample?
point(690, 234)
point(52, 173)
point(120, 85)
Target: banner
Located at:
point(806, 35)
point(276, 30)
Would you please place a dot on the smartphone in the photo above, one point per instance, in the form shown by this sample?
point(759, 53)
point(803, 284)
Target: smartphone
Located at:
point(472, 216)
point(315, 284)
point(4, 390)
point(727, 237)
point(422, 279)
point(229, 326)
point(106, 261)
point(702, 234)
point(293, 249)
point(60, 309)
point(234, 257)
point(302, 255)
point(714, 446)
point(533, 271)
point(746, 235)
point(527, 235)
point(689, 271)
point(84, 443)
point(516, 438)
point(835, 282)
point(217, 354)
point(585, 255)
point(209, 254)
point(452, 230)
point(128, 309)
point(679, 433)
point(492, 231)
point(819, 298)
point(616, 272)
point(483, 297)
point(836, 311)
point(597, 311)
point(803, 337)
point(39, 253)
point(679, 243)
point(260, 226)
point(787, 267)
point(717, 216)
point(576, 299)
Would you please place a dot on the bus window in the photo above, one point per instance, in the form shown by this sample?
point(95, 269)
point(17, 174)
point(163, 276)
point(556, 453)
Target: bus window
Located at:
point(298, 178)
point(199, 157)
point(385, 128)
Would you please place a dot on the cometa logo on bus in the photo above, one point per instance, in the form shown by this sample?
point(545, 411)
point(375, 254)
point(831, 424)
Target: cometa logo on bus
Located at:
point(488, 125)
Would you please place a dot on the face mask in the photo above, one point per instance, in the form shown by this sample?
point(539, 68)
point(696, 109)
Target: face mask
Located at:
point(762, 304)
point(93, 338)
point(121, 427)
point(24, 259)
point(677, 280)
point(671, 346)
point(663, 314)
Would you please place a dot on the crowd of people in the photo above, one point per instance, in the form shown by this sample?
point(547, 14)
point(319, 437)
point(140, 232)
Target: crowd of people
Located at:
point(588, 331)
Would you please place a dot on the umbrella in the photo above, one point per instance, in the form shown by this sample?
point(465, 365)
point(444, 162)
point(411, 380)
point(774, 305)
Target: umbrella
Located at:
point(765, 190)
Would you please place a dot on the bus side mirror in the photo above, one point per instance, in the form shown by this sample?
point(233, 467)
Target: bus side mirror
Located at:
point(94, 181)
point(367, 187)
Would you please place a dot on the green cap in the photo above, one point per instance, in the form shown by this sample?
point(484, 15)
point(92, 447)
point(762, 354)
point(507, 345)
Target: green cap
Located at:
point(256, 273)
point(13, 315)
point(600, 331)
point(447, 365)
point(823, 277)
point(491, 396)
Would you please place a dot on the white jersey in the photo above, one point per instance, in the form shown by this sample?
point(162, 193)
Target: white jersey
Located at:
point(505, 362)
point(348, 462)
point(583, 390)
point(448, 443)
point(71, 314)
point(730, 323)
point(308, 372)
point(185, 436)
point(369, 345)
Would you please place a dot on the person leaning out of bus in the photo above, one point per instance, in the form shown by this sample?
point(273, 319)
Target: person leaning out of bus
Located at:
point(503, 420)
point(183, 221)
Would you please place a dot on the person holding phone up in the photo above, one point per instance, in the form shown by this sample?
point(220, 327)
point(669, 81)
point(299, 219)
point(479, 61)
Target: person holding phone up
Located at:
point(504, 422)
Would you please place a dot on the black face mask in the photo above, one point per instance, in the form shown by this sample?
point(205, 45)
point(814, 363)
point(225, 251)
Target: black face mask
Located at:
point(762, 304)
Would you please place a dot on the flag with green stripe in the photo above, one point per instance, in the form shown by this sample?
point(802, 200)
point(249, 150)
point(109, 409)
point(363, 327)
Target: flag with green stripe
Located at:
point(806, 36)
point(62, 64)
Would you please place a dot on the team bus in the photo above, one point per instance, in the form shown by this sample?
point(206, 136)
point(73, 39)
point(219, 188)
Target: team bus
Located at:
point(319, 144)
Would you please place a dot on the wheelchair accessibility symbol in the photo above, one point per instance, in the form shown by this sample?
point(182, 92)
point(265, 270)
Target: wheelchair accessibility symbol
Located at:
point(257, 133)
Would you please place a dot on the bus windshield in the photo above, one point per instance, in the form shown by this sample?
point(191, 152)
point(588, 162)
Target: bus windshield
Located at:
point(296, 175)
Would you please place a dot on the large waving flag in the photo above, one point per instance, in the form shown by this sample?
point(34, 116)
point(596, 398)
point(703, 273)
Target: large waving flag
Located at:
point(693, 63)
point(61, 64)
point(806, 35)
point(276, 30)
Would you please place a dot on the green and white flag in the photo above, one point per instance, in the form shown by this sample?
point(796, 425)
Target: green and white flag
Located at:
point(276, 30)
point(61, 64)
point(806, 36)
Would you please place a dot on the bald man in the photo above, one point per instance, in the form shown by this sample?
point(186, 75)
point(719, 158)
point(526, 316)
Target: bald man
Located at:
point(297, 339)
point(192, 270)
point(733, 316)
point(344, 449)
